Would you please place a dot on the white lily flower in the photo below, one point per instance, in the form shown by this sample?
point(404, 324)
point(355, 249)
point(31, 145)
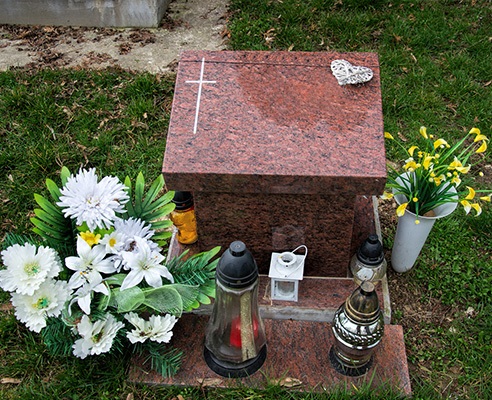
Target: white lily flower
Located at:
point(28, 268)
point(144, 264)
point(157, 328)
point(97, 337)
point(83, 296)
point(89, 265)
point(92, 202)
point(47, 301)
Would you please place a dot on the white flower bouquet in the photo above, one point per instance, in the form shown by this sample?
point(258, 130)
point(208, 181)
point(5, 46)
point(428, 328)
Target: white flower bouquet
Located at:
point(97, 275)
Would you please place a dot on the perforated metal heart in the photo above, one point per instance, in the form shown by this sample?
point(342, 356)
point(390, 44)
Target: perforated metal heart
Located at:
point(348, 74)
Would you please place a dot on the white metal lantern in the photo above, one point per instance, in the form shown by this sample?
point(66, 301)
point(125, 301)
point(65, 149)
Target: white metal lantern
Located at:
point(286, 270)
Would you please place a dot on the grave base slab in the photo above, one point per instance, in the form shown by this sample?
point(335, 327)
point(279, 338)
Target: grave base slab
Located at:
point(297, 353)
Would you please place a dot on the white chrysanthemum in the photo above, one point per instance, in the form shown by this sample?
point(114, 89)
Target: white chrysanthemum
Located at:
point(157, 328)
point(89, 265)
point(132, 228)
point(47, 301)
point(144, 264)
point(28, 268)
point(92, 202)
point(97, 337)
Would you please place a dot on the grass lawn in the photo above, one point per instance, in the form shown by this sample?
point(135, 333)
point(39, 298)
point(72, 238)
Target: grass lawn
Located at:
point(436, 59)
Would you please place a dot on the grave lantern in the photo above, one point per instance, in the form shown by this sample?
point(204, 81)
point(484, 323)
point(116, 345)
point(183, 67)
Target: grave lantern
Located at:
point(368, 263)
point(358, 327)
point(235, 341)
point(286, 270)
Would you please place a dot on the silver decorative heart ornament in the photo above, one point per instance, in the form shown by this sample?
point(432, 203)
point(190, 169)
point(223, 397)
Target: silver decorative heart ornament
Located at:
point(348, 74)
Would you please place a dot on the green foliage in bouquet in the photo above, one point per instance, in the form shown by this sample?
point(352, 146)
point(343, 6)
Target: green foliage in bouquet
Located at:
point(96, 276)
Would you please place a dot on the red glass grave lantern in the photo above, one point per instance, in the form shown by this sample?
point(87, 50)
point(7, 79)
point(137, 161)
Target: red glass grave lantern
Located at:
point(235, 341)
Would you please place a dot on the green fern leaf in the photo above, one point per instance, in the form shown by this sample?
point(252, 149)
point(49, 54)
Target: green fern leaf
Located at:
point(139, 193)
point(64, 175)
point(162, 359)
point(47, 206)
point(50, 219)
point(45, 230)
point(129, 206)
point(154, 191)
point(53, 189)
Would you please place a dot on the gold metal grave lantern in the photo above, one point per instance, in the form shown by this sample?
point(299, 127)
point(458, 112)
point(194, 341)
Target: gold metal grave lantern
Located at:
point(358, 327)
point(235, 340)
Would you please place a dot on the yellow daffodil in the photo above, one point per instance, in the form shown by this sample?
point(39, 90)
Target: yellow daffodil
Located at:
point(423, 132)
point(90, 238)
point(440, 143)
point(475, 131)
point(482, 148)
point(387, 195)
point(471, 193)
point(466, 205)
point(400, 211)
point(477, 208)
point(388, 135)
point(411, 150)
point(427, 161)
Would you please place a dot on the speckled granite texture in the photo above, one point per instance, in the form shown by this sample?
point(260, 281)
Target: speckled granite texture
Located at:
point(276, 152)
point(296, 350)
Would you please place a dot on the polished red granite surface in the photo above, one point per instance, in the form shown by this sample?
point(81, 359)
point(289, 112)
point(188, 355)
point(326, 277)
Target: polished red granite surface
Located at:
point(296, 349)
point(276, 151)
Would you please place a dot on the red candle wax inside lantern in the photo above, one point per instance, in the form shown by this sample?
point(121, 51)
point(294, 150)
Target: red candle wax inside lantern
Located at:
point(235, 336)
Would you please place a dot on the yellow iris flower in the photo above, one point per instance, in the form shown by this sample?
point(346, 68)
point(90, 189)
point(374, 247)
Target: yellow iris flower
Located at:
point(388, 135)
point(456, 164)
point(400, 211)
point(410, 165)
point(456, 180)
point(482, 148)
point(477, 208)
point(486, 198)
point(411, 150)
point(475, 131)
point(427, 162)
point(387, 195)
point(439, 179)
point(440, 143)
point(471, 193)
point(423, 132)
point(466, 205)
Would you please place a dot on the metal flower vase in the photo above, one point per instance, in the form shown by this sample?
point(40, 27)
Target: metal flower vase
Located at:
point(411, 237)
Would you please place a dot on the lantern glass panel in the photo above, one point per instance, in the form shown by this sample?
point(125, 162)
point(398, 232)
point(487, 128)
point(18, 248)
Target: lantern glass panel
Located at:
point(284, 289)
point(235, 332)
